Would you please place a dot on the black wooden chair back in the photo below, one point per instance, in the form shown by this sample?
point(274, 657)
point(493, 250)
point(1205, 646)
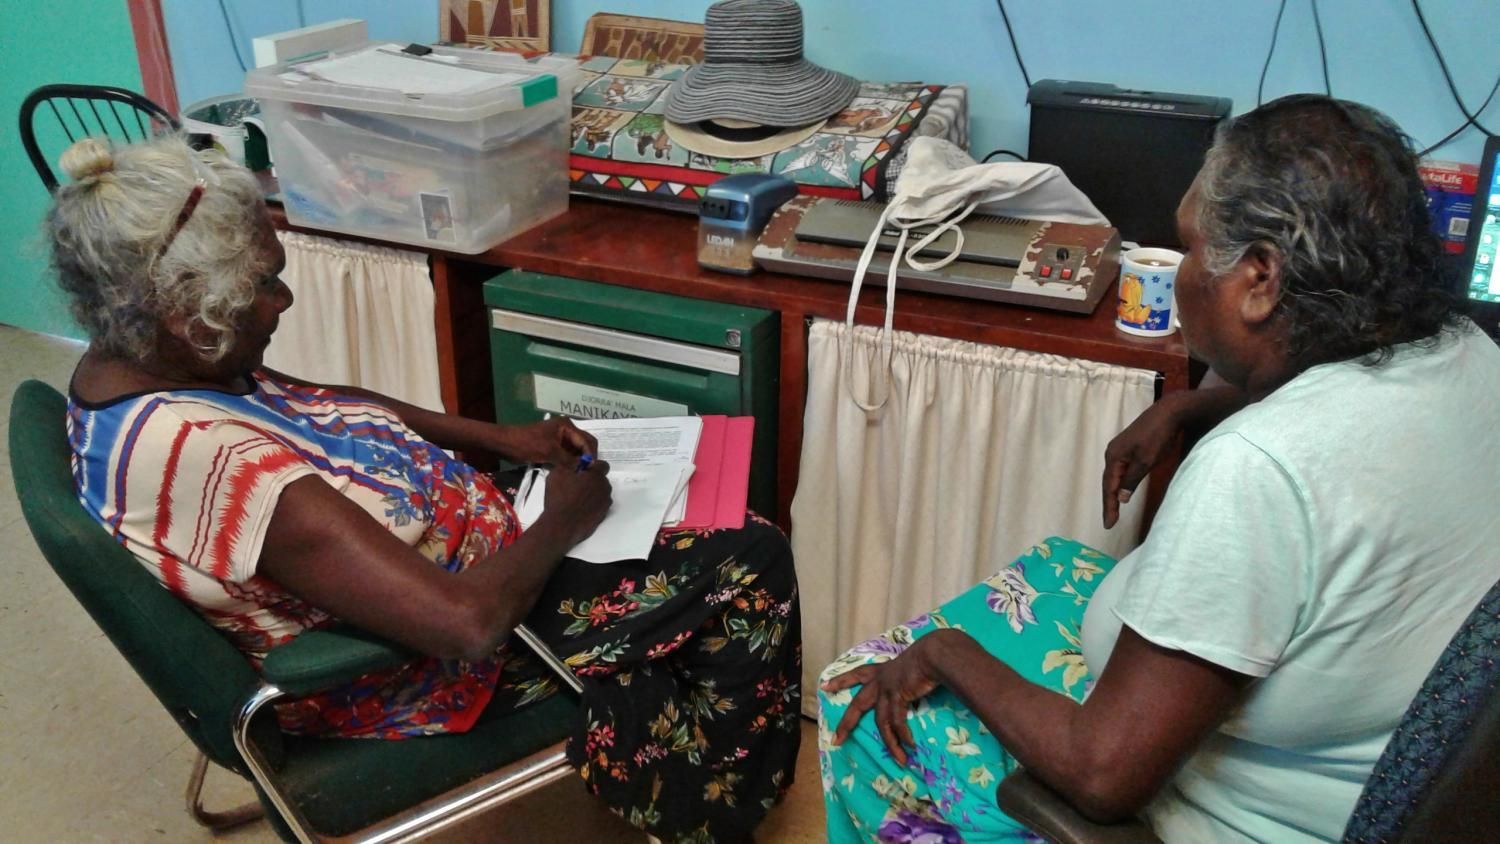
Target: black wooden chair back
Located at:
point(86, 111)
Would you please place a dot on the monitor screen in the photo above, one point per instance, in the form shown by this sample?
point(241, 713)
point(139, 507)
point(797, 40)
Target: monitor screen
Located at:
point(1483, 279)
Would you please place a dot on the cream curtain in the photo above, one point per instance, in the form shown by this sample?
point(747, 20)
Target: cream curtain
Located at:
point(979, 452)
point(363, 317)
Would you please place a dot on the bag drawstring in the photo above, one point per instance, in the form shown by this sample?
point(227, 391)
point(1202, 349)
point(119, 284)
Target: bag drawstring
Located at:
point(902, 253)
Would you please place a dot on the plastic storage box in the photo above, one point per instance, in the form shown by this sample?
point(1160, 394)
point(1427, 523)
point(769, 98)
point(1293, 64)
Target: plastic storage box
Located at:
point(456, 149)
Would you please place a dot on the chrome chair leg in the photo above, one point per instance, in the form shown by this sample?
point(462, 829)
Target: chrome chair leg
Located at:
point(551, 659)
point(216, 821)
point(521, 777)
point(260, 768)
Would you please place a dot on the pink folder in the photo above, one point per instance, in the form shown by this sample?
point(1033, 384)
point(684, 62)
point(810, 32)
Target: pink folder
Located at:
point(720, 486)
point(703, 486)
point(734, 474)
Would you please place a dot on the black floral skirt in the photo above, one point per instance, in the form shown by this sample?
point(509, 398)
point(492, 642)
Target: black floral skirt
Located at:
point(691, 663)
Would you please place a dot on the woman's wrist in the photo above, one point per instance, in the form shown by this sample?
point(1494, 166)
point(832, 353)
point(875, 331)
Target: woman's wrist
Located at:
point(504, 441)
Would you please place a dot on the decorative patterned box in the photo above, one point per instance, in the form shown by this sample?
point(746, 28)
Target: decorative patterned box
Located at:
point(620, 149)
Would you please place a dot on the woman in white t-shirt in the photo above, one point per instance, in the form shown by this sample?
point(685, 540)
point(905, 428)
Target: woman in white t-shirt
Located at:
point(1237, 676)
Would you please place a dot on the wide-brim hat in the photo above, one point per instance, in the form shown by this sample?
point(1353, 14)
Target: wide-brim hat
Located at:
point(753, 70)
point(735, 139)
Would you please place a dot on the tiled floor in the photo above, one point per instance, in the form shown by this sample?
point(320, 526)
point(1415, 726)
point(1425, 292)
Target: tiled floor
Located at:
point(87, 754)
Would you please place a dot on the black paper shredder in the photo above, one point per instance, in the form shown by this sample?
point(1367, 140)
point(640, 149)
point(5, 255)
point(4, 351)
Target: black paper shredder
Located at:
point(1134, 153)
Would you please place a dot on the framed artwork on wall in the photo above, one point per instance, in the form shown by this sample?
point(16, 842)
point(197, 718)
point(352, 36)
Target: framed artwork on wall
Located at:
point(643, 39)
point(501, 24)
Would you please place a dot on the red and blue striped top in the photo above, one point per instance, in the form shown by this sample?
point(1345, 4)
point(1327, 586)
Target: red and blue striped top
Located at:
point(188, 481)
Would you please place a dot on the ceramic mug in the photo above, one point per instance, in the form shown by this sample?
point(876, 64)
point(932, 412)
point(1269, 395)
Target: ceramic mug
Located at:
point(1148, 299)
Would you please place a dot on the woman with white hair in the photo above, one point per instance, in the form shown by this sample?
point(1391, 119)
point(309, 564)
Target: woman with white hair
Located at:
point(1237, 676)
point(273, 506)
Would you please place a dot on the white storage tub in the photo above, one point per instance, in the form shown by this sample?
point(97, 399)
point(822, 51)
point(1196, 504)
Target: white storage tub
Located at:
point(457, 149)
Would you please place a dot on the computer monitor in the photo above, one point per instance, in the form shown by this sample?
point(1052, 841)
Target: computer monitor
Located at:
point(1480, 269)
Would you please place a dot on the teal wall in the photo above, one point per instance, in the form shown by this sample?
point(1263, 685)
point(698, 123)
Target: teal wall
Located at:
point(1376, 53)
point(78, 41)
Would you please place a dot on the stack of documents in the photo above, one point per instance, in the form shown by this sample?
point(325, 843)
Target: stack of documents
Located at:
point(650, 465)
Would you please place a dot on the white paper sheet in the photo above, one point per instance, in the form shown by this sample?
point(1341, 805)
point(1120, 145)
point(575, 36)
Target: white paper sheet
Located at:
point(623, 442)
point(642, 494)
point(677, 510)
point(650, 464)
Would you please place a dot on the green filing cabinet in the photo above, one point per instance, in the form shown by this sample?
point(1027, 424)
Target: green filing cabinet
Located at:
point(587, 350)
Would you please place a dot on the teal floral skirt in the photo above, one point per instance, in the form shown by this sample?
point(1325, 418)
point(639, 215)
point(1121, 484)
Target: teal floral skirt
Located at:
point(1028, 616)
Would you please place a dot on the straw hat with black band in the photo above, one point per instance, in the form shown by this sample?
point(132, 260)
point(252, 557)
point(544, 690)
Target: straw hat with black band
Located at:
point(753, 72)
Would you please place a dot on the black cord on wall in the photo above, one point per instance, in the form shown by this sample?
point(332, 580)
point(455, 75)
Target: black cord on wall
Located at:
point(1322, 48)
point(233, 42)
point(1260, 90)
point(1014, 47)
point(1467, 123)
point(1472, 119)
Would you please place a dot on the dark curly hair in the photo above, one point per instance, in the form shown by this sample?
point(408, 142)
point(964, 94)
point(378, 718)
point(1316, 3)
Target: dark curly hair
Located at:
point(1332, 187)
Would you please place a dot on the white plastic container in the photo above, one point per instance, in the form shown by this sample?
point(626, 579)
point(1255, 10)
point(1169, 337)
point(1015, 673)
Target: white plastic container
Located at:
point(403, 148)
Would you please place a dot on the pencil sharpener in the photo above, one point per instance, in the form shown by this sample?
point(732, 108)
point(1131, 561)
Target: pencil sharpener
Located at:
point(731, 215)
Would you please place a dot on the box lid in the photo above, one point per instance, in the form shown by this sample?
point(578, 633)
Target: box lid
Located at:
point(445, 84)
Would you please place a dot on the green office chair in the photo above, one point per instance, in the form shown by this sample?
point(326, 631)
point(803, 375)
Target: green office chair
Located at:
point(311, 789)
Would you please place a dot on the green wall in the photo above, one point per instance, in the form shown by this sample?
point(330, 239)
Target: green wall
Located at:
point(81, 41)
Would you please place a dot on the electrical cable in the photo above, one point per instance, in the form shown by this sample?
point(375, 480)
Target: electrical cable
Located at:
point(1473, 118)
point(1016, 48)
point(1467, 123)
point(233, 42)
point(302, 14)
point(1322, 48)
point(1016, 155)
point(1260, 90)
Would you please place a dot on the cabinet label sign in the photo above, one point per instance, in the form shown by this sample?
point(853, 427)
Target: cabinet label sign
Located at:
point(586, 401)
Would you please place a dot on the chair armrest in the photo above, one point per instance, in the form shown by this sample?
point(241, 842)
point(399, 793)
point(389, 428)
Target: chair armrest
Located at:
point(1044, 812)
point(320, 659)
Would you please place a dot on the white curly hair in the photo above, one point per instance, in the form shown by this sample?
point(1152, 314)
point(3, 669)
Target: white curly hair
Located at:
point(108, 228)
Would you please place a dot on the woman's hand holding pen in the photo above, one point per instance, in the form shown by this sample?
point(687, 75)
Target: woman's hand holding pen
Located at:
point(578, 493)
point(581, 494)
point(555, 441)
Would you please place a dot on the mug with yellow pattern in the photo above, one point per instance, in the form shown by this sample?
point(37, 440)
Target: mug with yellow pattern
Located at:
point(1147, 298)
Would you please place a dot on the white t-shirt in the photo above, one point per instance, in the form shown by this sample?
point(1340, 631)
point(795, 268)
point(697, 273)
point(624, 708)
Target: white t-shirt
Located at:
point(1328, 540)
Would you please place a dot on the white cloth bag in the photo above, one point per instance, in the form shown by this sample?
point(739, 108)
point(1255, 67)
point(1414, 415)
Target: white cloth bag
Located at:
point(941, 186)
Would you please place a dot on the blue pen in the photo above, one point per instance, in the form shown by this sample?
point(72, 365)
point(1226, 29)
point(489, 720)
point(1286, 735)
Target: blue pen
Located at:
point(584, 461)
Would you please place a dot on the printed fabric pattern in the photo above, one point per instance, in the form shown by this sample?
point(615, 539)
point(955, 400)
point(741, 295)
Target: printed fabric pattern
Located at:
point(187, 480)
point(691, 663)
point(1029, 616)
point(620, 147)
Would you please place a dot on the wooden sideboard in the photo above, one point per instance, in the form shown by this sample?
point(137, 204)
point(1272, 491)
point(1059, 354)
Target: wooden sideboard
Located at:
point(656, 250)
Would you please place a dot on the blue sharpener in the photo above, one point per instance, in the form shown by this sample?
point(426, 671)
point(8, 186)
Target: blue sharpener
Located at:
point(731, 215)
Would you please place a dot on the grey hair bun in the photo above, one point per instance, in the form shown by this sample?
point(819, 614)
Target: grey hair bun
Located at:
point(87, 159)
